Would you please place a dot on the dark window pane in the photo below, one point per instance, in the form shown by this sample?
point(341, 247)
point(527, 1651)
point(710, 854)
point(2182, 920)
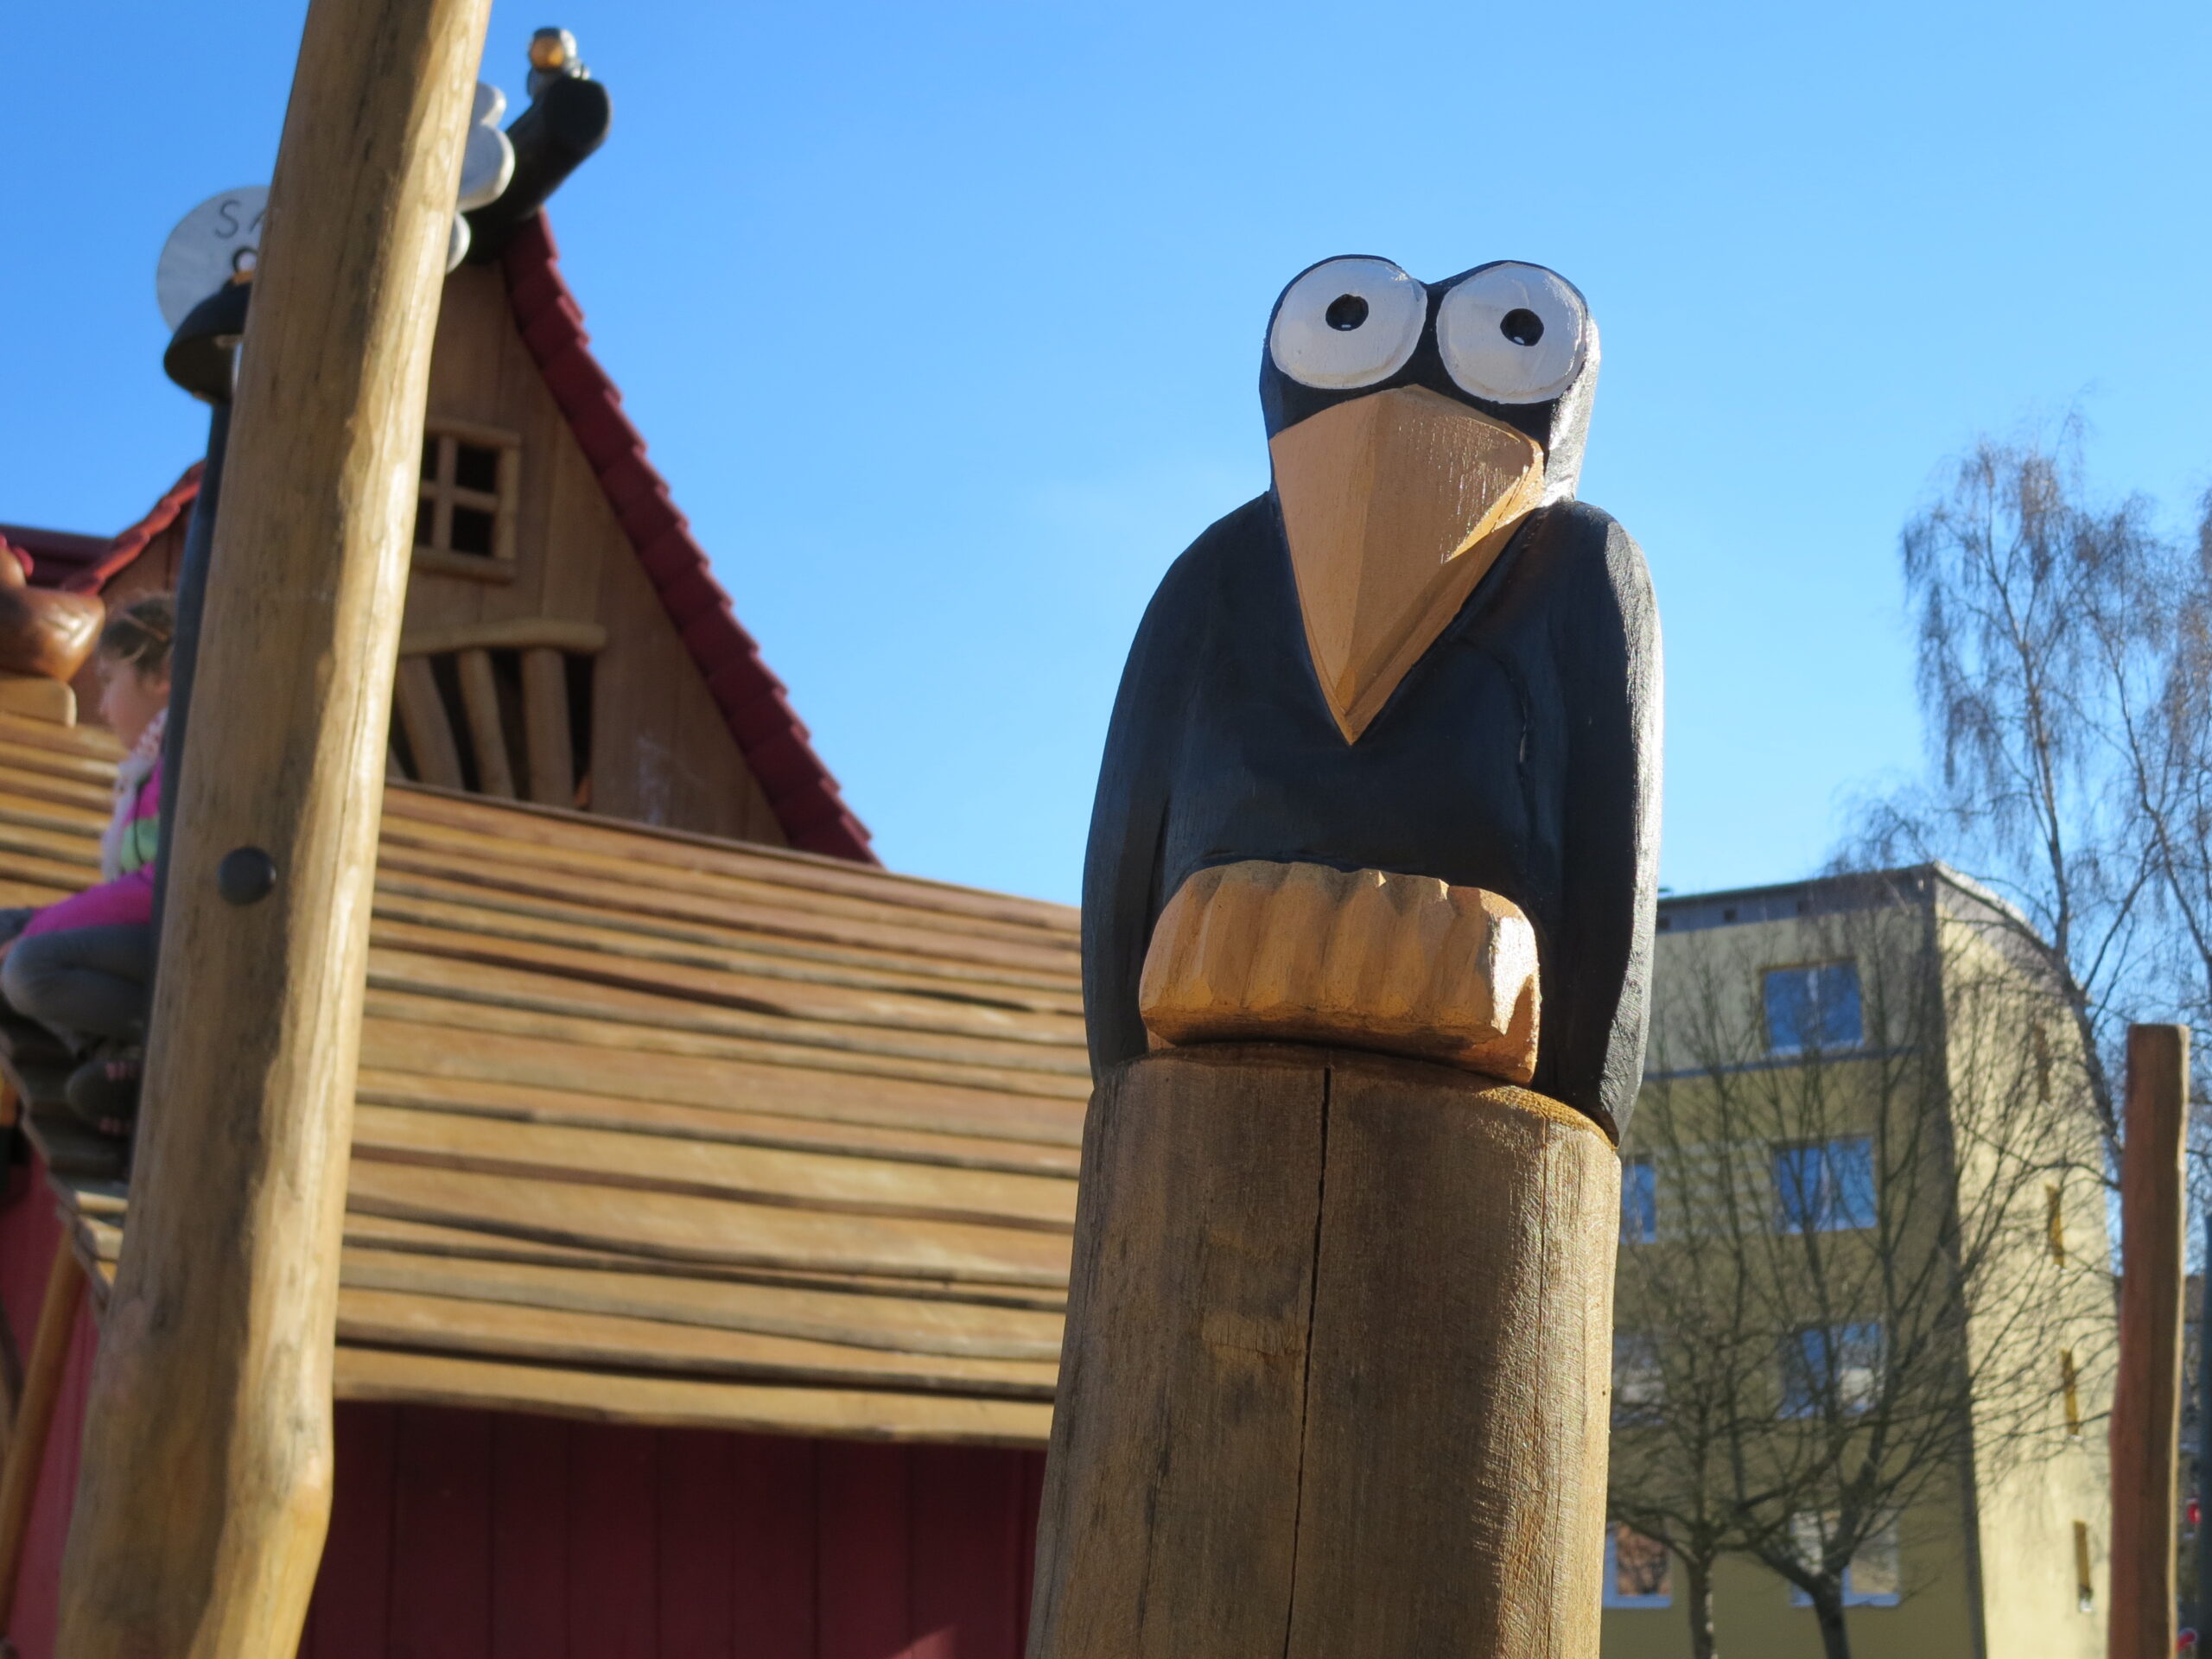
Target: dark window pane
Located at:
point(430, 459)
point(1796, 1189)
point(1851, 1183)
point(1805, 1367)
point(475, 468)
point(472, 531)
point(1788, 1009)
point(1837, 986)
point(1828, 1187)
point(1841, 1363)
point(1639, 1202)
point(426, 514)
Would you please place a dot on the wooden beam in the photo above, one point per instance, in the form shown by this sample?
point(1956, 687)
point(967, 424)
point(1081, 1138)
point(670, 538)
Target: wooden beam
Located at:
point(57, 1324)
point(509, 634)
point(205, 1488)
point(487, 737)
point(545, 720)
point(2146, 1400)
point(429, 731)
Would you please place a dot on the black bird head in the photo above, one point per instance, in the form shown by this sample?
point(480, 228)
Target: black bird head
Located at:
point(1413, 429)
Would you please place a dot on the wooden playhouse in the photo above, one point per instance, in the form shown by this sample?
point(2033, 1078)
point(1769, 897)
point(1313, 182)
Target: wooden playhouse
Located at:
point(711, 1189)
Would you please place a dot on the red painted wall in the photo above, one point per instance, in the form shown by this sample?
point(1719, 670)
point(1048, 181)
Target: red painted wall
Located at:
point(462, 1534)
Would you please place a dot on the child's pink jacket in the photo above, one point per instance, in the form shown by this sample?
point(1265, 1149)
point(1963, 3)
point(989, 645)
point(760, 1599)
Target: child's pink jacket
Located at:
point(129, 897)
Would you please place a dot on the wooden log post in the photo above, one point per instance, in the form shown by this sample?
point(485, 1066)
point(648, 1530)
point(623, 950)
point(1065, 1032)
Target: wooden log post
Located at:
point(204, 1489)
point(57, 1325)
point(2146, 1400)
point(1339, 1345)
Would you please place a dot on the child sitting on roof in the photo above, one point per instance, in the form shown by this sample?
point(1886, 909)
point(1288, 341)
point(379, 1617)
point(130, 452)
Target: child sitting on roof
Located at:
point(83, 968)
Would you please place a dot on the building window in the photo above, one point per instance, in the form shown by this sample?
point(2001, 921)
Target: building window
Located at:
point(1872, 1579)
point(2085, 1588)
point(2054, 1223)
point(1830, 1368)
point(2068, 1383)
point(1637, 1569)
point(1639, 1202)
point(1813, 1008)
point(465, 508)
point(1639, 1384)
point(1824, 1186)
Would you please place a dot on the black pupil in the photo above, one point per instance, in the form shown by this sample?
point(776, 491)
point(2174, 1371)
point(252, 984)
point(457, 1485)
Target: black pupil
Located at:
point(1520, 326)
point(1345, 313)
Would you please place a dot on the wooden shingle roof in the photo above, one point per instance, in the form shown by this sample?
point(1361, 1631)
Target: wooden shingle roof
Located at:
point(656, 1127)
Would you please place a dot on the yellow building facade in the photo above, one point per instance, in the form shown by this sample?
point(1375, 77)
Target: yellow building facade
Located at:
point(1850, 1083)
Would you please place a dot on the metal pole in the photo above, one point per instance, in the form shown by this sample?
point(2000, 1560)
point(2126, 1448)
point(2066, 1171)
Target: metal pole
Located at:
point(184, 656)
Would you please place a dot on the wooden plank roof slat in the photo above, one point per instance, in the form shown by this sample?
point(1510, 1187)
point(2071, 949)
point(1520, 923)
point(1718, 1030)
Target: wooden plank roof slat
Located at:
point(407, 1000)
point(715, 985)
point(376, 1374)
point(682, 1227)
point(860, 1319)
point(387, 1319)
point(579, 1109)
point(785, 868)
point(444, 900)
point(474, 980)
point(603, 1059)
point(841, 1184)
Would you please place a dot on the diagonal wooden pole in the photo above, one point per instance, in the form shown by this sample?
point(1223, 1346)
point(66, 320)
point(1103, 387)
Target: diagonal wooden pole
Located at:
point(205, 1490)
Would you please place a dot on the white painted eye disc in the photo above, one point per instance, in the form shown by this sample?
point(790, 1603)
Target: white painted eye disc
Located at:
point(1348, 322)
point(1513, 333)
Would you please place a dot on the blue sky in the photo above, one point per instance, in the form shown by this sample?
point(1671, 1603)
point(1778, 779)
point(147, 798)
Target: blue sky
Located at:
point(944, 321)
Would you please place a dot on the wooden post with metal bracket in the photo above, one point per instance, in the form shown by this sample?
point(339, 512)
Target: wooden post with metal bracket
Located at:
point(205, 1488)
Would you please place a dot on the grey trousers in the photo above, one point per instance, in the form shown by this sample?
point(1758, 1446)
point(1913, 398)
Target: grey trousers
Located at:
point(83, 984)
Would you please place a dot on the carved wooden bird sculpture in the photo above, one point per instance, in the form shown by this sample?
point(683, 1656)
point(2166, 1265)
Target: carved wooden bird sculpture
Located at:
point(1418, 653)
point(1367, 925)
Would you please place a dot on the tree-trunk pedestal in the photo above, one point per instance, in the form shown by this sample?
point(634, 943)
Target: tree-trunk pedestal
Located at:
point(1337, 1366)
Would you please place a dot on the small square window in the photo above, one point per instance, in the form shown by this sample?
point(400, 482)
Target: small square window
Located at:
point(1638, 1570)
point(1824, 1186)
point(465, 521)
point(1639, 1202)
point(1873, 1580)
point(1814, 1008)
point(476, 466)
point(1639, 1384)
point(1831, 1365)
point(473, 531)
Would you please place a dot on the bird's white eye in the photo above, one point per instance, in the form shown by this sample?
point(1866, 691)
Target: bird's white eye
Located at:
point(1513, 333)
point(1348, 322)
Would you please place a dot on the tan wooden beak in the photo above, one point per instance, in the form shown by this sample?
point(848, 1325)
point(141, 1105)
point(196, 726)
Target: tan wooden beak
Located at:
point(1395, 504)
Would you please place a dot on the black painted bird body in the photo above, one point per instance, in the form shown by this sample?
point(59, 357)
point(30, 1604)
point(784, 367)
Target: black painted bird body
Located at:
point(1502, 736)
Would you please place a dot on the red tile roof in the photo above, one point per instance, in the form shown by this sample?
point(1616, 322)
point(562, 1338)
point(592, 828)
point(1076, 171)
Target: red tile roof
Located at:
point(52, 554)
point(769, 733)
point(89, 575)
